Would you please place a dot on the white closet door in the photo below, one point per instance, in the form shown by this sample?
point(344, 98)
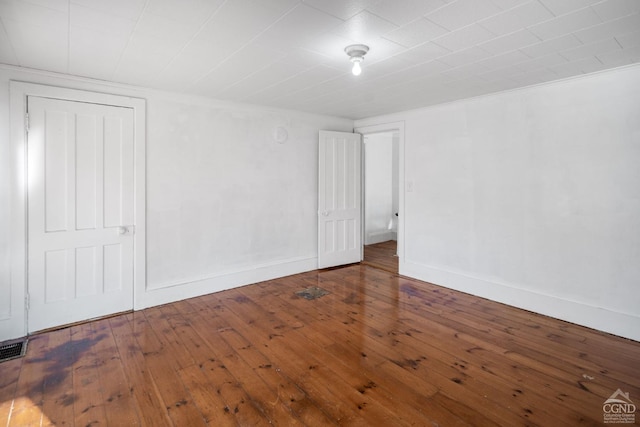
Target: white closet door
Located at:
point(80, 211)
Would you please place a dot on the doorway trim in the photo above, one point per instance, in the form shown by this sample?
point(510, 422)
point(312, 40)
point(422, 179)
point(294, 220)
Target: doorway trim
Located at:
point(382, 128)
point(16, 324)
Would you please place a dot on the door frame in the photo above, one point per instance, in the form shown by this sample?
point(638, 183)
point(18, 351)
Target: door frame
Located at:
point(16, 325)
point(382, 128)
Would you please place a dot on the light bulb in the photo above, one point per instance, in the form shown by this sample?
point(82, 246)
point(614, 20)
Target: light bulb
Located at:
point(356, 54)
point(356, 70)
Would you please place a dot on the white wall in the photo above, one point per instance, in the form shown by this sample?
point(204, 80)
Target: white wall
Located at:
point(532, 198)
point(227, 205)
point(224, 196)
point(378, 187)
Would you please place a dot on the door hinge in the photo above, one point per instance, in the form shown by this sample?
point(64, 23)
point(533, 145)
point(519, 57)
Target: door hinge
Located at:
point(26, 122)
point(27, 301)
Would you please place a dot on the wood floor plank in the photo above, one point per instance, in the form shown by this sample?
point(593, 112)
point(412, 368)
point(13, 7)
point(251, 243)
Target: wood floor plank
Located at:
point(382, 256)
point(535, 348)
point(88, 405)
point(9, 375)
point(510, 317)
point(283, 390)
point(468, 321)
point(338, 342)
point(58, 396)
point(487, 364)
point(158, 346)
point(374, 382)
point(167, 339)
point(203, 389)
point(591, 406)
point(119, 404)
point(531, 333)
point(438, 373)
point(371, 393)
point(379, 349)
point(26, 407)
point(217, 362)
point(298, 402)
point(499, 398)
point(306, 371)
point(505, 341)
point(150, 407)
point(285, 363)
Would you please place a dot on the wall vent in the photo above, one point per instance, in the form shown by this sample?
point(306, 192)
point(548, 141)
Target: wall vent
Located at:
point(13, 349)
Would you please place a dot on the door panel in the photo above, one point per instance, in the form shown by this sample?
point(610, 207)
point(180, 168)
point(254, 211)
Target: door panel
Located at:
point(81, 193)
point(339, 199)
point(56, 183)
point(86, 271)
point(86, 172)
point(56, 276)
point(118, 173)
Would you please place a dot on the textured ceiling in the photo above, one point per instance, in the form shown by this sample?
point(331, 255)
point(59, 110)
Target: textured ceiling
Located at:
point(289, 53)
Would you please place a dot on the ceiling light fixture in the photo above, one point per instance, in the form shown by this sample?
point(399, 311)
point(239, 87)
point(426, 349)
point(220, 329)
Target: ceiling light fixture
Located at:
point(356, 54)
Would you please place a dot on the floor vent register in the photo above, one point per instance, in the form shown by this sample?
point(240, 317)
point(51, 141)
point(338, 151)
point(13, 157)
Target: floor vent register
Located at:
point(312, 293)
point(12, 349)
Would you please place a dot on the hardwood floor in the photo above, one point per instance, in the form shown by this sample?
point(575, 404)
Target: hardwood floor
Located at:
point(382, 256)
point(378, 350)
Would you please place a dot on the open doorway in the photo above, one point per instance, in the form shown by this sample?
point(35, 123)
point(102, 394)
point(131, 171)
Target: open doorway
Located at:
point(381, 199)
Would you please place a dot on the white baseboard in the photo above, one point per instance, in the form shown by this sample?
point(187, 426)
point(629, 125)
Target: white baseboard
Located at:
point(603, 319)
point(220, 281)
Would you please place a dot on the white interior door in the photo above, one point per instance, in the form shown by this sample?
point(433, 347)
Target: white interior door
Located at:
point(339, 199)
point(80, 211)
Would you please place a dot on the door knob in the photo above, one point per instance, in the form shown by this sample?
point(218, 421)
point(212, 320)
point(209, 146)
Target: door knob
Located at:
point(126, 229)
